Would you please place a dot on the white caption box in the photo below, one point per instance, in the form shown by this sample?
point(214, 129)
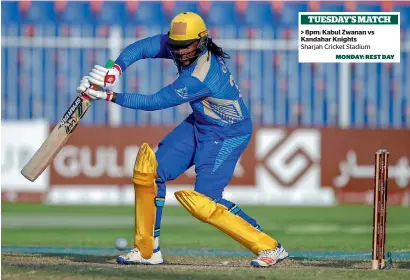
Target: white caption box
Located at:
point(349, 37)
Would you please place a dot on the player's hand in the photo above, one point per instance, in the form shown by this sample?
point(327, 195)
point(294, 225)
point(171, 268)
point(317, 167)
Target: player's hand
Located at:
point(88, 89)
point(104, 77)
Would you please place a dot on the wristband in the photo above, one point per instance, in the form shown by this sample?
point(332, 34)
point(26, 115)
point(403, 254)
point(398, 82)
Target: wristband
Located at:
point(113, 96)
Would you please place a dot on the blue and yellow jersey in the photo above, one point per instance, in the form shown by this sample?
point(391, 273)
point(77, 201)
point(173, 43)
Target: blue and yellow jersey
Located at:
point(206, 84)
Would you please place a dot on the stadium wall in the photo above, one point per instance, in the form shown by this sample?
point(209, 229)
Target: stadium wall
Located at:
point(281, 166)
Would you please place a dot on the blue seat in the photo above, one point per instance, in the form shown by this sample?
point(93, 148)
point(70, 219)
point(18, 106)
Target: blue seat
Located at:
point(221, 13)
point(259, 14)
point(368, 7)
point(148, 14)
point(288, 19)
point(39, 13)
point(290, 13)
point(10, 12)
point(75, 13)
point(186, 7)
point(112, 13)
point(332, 7)
point(404, 15)
point(222, 19)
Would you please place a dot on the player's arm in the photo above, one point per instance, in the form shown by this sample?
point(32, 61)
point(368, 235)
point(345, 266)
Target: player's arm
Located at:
point(151, 47)
point(185, 89)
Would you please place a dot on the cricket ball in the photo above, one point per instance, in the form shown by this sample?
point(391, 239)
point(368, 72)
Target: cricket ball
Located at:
point(121, 244)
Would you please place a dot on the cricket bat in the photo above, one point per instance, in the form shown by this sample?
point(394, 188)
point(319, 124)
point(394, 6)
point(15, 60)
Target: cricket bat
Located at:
point(57, 138)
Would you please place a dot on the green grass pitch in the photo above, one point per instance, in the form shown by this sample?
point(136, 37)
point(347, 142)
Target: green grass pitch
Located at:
point(338, 228)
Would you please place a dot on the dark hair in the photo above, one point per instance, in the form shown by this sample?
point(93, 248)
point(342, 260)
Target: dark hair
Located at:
point(216, 50)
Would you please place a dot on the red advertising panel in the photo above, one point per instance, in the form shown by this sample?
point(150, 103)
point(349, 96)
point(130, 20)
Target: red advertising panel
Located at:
point(348, 163)
point(106, 155)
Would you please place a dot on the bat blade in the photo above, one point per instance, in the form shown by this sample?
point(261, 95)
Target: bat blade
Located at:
point(58, 137)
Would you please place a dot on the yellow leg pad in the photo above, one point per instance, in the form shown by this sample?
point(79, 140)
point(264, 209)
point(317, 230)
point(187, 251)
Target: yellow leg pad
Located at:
point(206, 210)
point(145, 189)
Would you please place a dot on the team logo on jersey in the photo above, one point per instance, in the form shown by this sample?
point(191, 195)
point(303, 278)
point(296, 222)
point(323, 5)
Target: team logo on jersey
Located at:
point(182, 91)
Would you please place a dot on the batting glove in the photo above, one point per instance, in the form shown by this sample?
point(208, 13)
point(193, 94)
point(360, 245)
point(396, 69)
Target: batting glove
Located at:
point(104, 77)
point(88, 89)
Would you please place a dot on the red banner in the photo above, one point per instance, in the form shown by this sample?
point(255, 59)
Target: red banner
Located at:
point(280, 166)
point(106, 155)
point(348, 158)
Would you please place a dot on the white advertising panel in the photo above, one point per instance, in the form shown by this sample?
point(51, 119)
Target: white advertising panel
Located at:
point(19, 141)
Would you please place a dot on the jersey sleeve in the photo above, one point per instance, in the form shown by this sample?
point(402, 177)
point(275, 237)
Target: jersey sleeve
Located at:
point(185, 89)
point(151, 47)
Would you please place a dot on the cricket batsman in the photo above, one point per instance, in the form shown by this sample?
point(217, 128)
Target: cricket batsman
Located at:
point(211, 138)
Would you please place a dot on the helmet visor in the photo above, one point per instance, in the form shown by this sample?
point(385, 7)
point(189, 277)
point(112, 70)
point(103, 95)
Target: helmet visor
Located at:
point(174, 44)
point(183, 50)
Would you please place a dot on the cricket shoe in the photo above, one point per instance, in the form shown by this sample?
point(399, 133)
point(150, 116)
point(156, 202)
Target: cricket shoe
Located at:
point(134, 257)
point(270, 257)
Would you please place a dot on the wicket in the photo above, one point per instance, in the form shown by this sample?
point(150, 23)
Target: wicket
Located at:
point(380, 209)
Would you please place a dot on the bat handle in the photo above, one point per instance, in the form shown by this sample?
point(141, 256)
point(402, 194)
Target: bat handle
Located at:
point(85, 96)
point(109, 64)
